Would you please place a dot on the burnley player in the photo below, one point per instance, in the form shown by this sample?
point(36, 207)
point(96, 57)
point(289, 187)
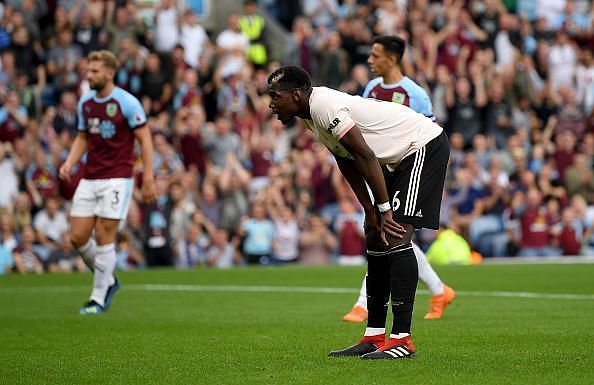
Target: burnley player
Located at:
point(365, 135)
point(109, 119)
point(390, 85)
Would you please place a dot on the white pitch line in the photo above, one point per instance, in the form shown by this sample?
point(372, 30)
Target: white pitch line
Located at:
point(285, 289)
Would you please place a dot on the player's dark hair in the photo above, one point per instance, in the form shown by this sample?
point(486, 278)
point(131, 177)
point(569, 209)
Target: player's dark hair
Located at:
point(290, 77)
point(393, 45)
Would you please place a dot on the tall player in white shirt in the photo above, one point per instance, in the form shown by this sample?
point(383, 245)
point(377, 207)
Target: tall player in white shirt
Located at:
point(364, 135)
point(390, 85)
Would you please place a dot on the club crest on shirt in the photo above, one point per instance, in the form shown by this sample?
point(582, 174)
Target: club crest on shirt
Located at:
point(398, 97)
point(107, 129)
point(111, 109)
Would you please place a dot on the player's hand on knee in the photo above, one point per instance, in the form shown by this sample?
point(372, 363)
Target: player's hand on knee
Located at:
point(390, 228)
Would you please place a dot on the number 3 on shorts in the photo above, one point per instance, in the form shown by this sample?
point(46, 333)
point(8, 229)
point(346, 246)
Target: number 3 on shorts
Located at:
point(116, 197)
point(396, 201)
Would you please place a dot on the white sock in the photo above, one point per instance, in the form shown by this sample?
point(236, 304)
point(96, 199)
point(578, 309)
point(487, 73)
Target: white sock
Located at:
point(362, 300)
point(105, 263)
point(399, 335)
point(88, 252)
point(369, 332)
point(426, 273)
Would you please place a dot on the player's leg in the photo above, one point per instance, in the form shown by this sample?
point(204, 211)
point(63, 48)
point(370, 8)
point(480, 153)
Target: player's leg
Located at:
point(402, 278)
point(113, 203)
point(414, 207)
point(105, 261)
point(391, 271)
point(82, 222)
point(378, 295)
point(441, 294)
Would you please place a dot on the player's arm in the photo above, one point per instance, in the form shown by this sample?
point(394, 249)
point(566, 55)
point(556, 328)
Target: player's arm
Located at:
point(79, 146)
point(143, 135)
point(369, 168)
point(348, 168)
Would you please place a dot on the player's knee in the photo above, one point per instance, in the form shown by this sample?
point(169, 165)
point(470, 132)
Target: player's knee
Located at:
point(105, 233)
point(78, 238)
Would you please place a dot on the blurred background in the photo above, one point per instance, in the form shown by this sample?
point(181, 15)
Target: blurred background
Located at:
point(511, 81)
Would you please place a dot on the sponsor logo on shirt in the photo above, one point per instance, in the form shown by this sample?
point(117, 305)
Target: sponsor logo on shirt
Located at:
point(93, 124)
point(333, 125)
point(107, 129)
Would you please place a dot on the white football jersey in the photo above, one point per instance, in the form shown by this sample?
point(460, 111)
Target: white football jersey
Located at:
point(391, 130)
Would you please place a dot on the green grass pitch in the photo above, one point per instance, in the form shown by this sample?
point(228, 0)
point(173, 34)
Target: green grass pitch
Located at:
point(507, 326)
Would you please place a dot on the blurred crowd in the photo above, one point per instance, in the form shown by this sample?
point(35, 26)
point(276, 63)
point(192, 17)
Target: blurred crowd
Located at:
point(511, 81)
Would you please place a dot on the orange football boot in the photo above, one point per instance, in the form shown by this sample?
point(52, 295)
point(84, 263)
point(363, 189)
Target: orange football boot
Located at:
point(439, 302)
point(357, 314)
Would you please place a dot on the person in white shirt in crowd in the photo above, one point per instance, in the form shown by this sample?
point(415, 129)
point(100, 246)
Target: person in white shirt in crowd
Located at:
point(231, 46)
point(194, 39)
point(9, 165)
point(50, 224)
point(562, 61)
point(285, 244)
point(166, 33)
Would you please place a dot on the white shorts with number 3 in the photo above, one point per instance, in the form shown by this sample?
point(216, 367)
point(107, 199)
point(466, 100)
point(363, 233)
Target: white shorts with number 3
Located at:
point(103, 198)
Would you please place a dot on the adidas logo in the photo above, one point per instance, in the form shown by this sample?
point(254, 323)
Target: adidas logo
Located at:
point(399, 351)
point(419, 214)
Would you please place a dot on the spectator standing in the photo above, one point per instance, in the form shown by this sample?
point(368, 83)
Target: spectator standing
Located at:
point(210, 205)
point(349, 228)
point(13, 118)
point(166, 33)
point(253, 26)
point(562, 60)
point(157, 218)
point(579, 177)
point(156, 89)
point(65, 119)
point(61, 63)
point(6, 261)
point(40, 178)
point(9, 234)
point(220, 142)
point(316, 242)
point(286, 236)
point(9, 165)
point(258, 234)
point(535, 230)
point(194, 39)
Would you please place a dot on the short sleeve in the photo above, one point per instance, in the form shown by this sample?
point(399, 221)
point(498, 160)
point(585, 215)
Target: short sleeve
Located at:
point(336, 118)
point(79, 111)
point(421, 103)
point(133, 112)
